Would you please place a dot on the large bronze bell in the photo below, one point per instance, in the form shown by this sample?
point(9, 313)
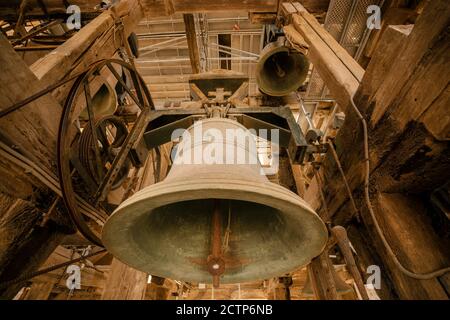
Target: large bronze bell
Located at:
point(216, 221)
point(280, 70)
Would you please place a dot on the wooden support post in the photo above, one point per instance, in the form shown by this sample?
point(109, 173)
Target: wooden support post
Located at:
point(405, 81)
point(40, 290)
point(321, 277)
point(124, 283)
point(342, 240)
point(32, 132)
point(336, 67)
point(191, 36)
point(414, 241)
point(279, 288)
point(99, 39)
point(19, 29)
point(298, 178)
point(428, 29)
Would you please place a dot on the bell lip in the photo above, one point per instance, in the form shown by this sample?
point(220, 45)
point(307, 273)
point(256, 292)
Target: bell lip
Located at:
point(198, 189)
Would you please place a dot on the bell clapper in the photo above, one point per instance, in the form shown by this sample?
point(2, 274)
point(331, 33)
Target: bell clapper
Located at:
point(226, 237)
point(280, 72)
point(216, 264)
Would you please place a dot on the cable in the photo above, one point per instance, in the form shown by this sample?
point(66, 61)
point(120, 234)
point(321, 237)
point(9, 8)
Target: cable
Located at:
point(347, 187)
point(419, 276)
point(30, 275)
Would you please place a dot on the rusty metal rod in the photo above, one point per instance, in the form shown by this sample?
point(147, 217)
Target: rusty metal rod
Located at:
point(35, 32)
point(47, 270)
point(341, 171)
point(216, 239)
point(38, 94)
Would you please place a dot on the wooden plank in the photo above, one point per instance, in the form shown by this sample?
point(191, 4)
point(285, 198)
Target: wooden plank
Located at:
point(262, 17)
point(32, 129)
point(339, 79)
point(191, 37)
point(321, 277)
point(341, 53)
point(428, 29)
point(97, 40)
point(427, 82)
point(8, 9)
point(60, 61)
point(409, 232)
point(383, 60)
point(124, 283)
point(437, 117)
point(40, 290)
point(153, 8)
point(404, 156)
point(192, 6)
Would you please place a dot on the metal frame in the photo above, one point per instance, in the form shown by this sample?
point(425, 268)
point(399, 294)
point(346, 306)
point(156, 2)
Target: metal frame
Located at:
point(162, 122)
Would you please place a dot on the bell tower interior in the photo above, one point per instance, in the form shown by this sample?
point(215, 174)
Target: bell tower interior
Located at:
point(224, 150)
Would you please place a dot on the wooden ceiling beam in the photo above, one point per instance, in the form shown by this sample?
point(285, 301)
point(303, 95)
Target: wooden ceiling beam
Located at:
point(191, 36)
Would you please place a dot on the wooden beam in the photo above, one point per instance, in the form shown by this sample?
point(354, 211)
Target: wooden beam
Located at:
point(158, 7)
point(416, 244)
point(331, 42)
point(191, 36)
point(124, 283)
point(336, 67)
point(8, 9)
point(383, 60)
point(405, 156)
point(32, 132)
point(99, 39)
point(40, 290)
point(427, 30)
point(322, 280)
point(262, 17)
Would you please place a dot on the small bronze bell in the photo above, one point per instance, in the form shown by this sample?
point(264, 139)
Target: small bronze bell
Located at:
point(280, 70)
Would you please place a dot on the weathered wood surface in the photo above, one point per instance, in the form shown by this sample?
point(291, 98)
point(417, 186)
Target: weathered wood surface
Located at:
point(409, 231)
point(98, 40)
point(322, 281)
point(408, 129)
point(429, 30)
point(153, 8)
point(124, 283)
point(32, 131)
point(336, 67)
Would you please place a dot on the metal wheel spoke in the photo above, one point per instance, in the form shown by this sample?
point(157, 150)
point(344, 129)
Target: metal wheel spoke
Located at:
point(112, 166)
point(124, 85)
point(98, 160)
point(137, 87)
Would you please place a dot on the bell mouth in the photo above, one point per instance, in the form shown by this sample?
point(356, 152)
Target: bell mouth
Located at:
point(165, 230)
point(281, 72)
